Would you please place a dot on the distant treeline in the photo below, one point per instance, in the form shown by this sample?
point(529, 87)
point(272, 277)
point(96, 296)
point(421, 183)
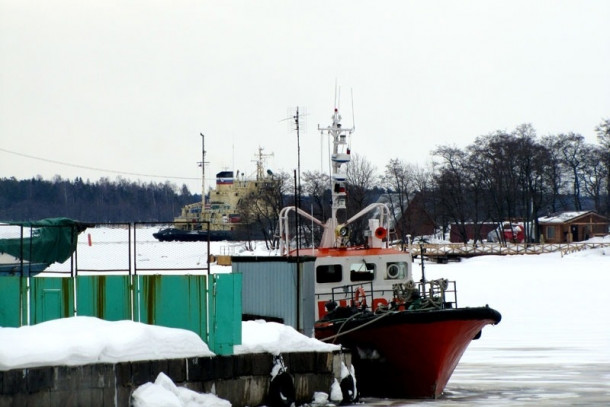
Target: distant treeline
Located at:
point(101, 201)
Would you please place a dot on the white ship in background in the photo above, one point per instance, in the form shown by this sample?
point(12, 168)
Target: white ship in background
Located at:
point(221, 208)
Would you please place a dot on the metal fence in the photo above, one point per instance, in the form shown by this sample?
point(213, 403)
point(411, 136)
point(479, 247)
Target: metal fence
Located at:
point(113, 248)
point(121, 271)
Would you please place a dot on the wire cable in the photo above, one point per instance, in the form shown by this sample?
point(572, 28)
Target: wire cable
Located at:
point(95, 168)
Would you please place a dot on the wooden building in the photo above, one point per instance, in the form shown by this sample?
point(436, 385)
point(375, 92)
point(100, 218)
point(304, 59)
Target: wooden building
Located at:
point(416, 220)
point(572, 226)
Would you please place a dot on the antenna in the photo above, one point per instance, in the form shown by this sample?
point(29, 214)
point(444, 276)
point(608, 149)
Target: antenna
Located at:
point(260, 163)
point(336, 87)
point(353, 113)
point(202, 171)
point(339, 97)
point(296, 123)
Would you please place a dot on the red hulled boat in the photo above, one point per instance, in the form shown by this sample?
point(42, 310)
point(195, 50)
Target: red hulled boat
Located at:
point(406, 337)
point(409, 353)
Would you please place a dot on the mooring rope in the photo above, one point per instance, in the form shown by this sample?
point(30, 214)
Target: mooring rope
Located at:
point(339, 333)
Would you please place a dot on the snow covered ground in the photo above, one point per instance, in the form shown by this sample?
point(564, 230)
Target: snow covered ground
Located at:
point(558, 306)
point(552, 346)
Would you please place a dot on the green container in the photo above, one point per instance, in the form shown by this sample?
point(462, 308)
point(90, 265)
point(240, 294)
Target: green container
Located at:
point(51, 298)
point(225, 313)
point(12, 292)
point(172, 301)
point(104, 297)
point(175, 301)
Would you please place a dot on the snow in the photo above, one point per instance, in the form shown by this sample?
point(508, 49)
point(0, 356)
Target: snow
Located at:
point(554, 311)
point(272, 337)
point(553, 308)
point(164, 393)
point(562, 217)
point(83, 340)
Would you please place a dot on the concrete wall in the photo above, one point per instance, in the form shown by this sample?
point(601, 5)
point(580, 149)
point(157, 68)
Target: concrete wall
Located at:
point(242, 379)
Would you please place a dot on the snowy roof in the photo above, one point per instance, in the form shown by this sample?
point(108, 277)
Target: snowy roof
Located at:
point(562, 217)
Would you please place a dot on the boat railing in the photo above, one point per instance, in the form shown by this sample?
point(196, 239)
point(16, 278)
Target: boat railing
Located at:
point(440, 293)
point(358, 295)
point(430, 294)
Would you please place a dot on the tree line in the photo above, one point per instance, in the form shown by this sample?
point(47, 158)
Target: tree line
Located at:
point(102, 201)
point(518, 175)
point(502, 176)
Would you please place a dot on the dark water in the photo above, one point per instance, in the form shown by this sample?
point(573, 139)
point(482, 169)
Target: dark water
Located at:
point(519, 385)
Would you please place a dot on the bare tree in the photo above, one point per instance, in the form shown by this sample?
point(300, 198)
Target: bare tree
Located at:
point(594, 174)
point(499, 177)
point(498, 154)
point(398, 181)
point(532, 167)
point(316, 185)
point(572, 147)
point(360, 183)
point(260, 210)
point(458, 189)
point(553, 178)
point(603, 136)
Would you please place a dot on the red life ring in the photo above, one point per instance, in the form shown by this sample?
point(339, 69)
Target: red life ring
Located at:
point(357, 301)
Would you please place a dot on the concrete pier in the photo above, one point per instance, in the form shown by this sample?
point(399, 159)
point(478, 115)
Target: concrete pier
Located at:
point(244, 380)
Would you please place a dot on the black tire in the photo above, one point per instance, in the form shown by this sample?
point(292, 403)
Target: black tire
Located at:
point(348, 389)
point(281, 391)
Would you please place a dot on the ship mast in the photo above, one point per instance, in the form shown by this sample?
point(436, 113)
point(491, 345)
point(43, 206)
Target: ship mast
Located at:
point(202, 172)
point(260, 163)
point(340, 158)
point(335, 232)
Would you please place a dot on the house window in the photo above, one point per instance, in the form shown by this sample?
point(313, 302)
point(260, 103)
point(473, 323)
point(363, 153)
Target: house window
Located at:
point(362, 271)
point(550, 232)
point(330, 273)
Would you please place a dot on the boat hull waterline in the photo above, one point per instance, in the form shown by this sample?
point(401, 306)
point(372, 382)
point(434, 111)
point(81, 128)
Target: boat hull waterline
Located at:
point(408, 354)
point(173, 234)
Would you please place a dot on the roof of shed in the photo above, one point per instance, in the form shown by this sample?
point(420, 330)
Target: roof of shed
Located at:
point(565, 217)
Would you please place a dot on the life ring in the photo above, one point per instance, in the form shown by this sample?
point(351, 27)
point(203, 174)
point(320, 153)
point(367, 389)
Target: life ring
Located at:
point(380, 233)
point(360, 293)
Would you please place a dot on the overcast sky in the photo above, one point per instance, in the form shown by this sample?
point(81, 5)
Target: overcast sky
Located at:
point(127, 86)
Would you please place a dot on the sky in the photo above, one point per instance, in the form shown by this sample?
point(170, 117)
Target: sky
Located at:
point(124, 88)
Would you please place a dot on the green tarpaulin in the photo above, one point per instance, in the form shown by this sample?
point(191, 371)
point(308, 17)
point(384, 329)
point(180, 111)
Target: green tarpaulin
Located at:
point(44, 241)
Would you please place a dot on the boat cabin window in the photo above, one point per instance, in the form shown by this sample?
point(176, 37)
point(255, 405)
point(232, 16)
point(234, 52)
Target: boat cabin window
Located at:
point(396, 270)
point(329, 273)
point(362, 271)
